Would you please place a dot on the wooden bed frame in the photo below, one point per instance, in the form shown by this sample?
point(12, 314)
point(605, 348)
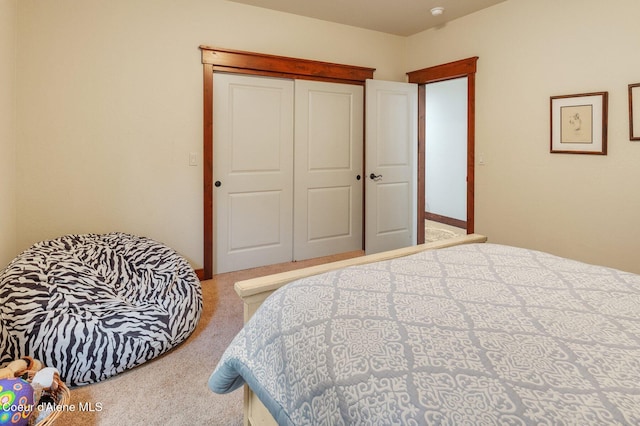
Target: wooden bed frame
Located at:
point(254, 291)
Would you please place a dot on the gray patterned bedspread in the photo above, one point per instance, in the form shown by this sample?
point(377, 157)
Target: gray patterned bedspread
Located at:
point(474, 334)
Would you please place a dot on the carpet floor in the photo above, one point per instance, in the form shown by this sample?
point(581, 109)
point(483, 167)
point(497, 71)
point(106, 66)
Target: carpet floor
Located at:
point(435, 231)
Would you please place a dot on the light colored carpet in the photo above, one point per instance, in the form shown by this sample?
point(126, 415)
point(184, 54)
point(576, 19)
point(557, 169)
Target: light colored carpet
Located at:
point(435, 231)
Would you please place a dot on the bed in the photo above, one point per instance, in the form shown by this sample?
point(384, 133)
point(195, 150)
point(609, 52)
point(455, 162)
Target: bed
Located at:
point(473, 333)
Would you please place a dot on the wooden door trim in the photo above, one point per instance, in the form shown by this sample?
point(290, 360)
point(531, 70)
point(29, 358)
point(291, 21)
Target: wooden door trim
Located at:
point(457, 69)
point(241, 62)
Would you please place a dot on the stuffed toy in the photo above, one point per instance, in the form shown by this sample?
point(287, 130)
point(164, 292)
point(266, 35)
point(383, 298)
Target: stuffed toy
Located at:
point(14, 368)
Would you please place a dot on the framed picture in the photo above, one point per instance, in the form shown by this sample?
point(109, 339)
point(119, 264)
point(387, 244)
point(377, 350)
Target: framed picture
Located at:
point(634, 112)
point(579, 123)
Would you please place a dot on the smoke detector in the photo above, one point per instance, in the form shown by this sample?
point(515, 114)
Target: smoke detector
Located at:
point(437, 11)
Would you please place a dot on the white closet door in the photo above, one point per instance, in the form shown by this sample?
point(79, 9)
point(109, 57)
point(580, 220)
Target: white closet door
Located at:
point(253, 161)
point(391, 145)
point(328, 168)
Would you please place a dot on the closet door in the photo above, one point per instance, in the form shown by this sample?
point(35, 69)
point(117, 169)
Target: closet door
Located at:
point(328, 168)
point(253, 170)
point(392, 140)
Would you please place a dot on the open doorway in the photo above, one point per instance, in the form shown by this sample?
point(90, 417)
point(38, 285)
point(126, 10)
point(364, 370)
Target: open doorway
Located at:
point(465, 68)
point(445, 159)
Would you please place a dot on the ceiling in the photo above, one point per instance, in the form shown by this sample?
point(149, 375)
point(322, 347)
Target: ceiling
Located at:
point(400, 17)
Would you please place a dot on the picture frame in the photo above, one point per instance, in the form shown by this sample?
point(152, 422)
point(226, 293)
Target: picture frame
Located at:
point(634, 112)
point(579, 123)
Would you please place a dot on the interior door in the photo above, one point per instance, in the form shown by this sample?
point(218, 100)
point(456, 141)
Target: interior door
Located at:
point(253, 166)
point(391, 165)
point(328, 168)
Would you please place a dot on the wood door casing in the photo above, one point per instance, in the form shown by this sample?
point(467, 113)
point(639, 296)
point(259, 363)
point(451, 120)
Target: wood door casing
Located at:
point(240, 62)
point(462, 68)
point(227, 60)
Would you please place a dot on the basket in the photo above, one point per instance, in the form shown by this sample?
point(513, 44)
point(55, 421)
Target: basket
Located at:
point(58, 394)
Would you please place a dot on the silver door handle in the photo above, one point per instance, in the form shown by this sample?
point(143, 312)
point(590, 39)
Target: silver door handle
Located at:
point(375, 177)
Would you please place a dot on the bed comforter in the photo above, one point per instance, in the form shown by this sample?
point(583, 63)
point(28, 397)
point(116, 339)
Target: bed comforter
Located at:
point(474, 334)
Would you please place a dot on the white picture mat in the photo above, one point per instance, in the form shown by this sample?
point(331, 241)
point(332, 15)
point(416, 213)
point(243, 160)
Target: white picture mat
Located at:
point(597, 123)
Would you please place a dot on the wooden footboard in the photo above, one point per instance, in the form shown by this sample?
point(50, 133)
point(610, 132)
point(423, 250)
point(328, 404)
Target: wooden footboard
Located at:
point(254, 291)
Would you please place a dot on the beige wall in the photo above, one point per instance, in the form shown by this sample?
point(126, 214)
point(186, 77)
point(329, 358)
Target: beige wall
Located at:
point(579, 206)
point(110, 99)
point(110, 106)
point(8, 31)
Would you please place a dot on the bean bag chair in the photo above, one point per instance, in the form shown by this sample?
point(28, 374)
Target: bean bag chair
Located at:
point(93, 306)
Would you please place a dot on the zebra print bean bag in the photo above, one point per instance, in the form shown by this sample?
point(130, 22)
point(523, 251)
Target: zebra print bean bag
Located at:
point(95, 305)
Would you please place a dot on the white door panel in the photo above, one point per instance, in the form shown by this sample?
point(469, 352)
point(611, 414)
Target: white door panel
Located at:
point(391, 173)
point(329, 222)
point(253, 130)
point(328, 161)
point(392, 220)
point(261, 211)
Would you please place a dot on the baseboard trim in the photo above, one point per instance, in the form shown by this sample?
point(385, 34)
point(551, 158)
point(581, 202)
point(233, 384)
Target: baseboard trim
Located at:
point(200, 274)
point(446, 220)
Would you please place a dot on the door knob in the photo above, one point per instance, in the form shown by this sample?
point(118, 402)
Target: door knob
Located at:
point(358, 177)
point(217, 184)
point(375, 177)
